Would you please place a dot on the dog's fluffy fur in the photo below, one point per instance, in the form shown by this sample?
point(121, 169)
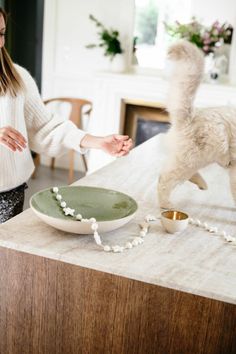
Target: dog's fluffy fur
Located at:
point(197, 137)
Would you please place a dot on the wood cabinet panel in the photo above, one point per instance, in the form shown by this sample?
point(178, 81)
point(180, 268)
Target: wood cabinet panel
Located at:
point(47, 306)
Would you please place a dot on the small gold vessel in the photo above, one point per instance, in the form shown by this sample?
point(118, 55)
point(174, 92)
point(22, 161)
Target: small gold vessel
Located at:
point(174, 221)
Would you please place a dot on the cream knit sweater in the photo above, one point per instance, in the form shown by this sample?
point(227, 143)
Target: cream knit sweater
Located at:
point(45, 133)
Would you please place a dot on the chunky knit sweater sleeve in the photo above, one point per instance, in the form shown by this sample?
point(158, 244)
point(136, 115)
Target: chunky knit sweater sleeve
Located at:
point(47, 133)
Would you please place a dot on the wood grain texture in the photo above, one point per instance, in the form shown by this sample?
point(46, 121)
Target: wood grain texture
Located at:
point(48, 306)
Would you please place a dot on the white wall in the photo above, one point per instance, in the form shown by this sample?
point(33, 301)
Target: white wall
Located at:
point(210, 10)
point(67, 30)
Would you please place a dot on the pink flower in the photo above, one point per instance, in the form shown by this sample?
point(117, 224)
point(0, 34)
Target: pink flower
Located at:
point(206, 35)
point(215, 32)
point(216, 24)
point(207, 41)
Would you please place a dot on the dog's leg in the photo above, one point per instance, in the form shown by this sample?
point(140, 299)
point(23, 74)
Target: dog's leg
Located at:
point(199, 181)
point(232, 175)
point(168, 181)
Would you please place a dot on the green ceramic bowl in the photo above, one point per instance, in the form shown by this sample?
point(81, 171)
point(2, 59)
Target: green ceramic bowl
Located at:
point(112, 209)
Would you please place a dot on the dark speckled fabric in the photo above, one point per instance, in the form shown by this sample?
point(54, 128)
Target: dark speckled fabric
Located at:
point(11, 202)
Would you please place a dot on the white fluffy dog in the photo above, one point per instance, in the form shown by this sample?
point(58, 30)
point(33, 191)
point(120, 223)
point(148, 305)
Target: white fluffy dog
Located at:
point(197, 137)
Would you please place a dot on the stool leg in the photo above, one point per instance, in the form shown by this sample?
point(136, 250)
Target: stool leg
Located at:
point(36, 164)
point(52, 163)
point(71, 166)
point(85, 163)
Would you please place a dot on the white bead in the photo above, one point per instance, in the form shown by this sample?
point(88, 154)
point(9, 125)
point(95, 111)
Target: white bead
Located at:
point(191, 220)
point(139, 240)
point(84, 220)
point(79, 217)
point(205, 225)
point(142, 233)
point(94, 226)
point(63, 204)
point(107, 248)
point(92, 220)
point(69, 211)
point(213, 230)
point(58, 197)
point(223, 233)
point(135, 242)
point(97, 238)
point(198, 222)
point(128, 245)
point(229, 238)
point(144, 225)
point(116, 249)
point(150, 218)
point(55, 189)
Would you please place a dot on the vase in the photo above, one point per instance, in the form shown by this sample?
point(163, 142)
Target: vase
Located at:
point(222, 56)
point(217, 64)
point(118, 64)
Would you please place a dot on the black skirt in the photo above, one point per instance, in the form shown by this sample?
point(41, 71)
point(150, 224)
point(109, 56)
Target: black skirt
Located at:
point(12, 202)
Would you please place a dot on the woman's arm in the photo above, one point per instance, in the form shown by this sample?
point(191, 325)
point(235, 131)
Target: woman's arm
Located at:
point(116, 145)
point(52, 134)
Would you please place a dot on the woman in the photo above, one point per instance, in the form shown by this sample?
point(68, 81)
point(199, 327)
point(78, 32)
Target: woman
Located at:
point(25, 125)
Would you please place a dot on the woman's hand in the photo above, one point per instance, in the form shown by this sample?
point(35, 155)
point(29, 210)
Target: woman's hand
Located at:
point(13, 139)
point(115, 145)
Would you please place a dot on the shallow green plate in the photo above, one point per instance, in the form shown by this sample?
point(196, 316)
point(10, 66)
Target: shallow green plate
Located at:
point(103, 204)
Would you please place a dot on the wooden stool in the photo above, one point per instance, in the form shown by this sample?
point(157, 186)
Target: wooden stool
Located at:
point(76, 114)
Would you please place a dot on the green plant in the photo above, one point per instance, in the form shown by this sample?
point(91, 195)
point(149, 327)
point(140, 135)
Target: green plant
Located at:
point(108, 39)
point(206, 38)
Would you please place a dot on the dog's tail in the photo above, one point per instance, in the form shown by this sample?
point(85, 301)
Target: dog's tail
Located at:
point(185, 79)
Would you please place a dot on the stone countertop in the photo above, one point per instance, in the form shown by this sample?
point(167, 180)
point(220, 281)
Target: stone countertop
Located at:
point(194, 261)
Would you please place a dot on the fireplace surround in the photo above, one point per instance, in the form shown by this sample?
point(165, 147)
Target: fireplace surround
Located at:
point(142, 120)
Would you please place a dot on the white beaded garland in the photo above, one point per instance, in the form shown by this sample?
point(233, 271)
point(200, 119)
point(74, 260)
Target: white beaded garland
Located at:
point(213, 230)
point(144, 226)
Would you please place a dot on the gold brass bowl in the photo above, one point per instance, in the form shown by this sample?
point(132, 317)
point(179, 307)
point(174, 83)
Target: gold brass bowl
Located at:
point(174, 221)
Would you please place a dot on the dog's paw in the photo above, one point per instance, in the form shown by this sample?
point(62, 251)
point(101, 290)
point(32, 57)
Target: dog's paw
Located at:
point(203, 186)
point(199, 181)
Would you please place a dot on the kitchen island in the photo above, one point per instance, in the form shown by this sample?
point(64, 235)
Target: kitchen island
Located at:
point(60, 293)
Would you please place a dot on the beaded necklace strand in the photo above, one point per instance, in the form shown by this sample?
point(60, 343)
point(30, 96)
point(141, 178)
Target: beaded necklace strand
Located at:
point(144, 227)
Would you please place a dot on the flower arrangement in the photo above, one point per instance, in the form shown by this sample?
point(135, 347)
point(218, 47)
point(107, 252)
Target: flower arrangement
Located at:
point(206, 38)
point(108, 39)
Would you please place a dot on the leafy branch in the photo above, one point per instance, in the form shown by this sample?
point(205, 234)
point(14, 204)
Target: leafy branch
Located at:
point(108, 39)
